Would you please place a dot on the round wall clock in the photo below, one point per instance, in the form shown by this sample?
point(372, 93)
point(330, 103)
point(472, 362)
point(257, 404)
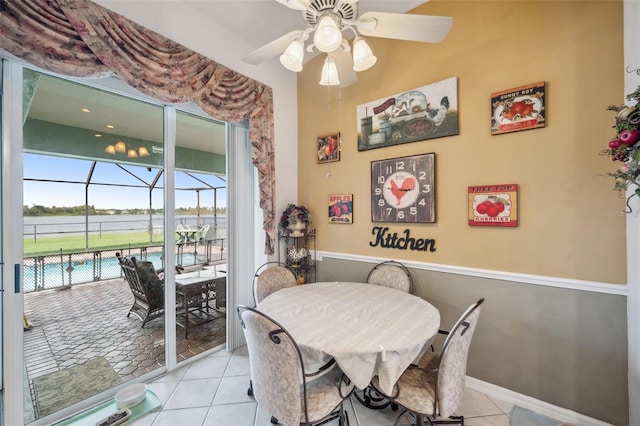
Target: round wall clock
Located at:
point(403, 190)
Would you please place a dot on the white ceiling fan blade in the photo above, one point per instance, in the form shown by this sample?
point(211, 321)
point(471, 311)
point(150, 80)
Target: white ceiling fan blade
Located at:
point(344, 63)
point(272, 48)
point(295, 4)
point(423, 28)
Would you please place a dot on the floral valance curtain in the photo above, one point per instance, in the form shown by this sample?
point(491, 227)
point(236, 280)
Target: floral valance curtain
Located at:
point(82, 39)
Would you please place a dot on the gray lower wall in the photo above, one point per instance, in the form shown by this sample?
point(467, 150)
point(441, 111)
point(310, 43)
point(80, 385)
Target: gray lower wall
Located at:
point(561, 346)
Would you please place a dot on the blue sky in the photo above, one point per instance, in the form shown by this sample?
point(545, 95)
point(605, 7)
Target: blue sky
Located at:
point(106, 197)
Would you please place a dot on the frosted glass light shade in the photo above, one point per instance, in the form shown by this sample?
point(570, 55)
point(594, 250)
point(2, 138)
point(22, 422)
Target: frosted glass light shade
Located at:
point(132, 153)
point(143, 151)
point(120, 147)
point(363, 57)
point(329, 76)
point(291, 59)
point(110, 149)
point(328, 35)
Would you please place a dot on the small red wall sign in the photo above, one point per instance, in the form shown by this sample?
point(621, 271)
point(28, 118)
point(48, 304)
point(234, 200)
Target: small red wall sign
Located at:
point(493, 205)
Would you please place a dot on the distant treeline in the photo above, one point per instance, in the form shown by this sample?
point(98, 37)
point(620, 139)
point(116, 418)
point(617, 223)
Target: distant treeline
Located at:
point(37, 210)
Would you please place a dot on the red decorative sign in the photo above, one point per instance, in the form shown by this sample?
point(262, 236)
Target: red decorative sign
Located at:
point(521, 108)
point(493, 205)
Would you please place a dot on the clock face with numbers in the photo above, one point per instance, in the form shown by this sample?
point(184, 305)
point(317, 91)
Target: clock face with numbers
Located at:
point(402, 189)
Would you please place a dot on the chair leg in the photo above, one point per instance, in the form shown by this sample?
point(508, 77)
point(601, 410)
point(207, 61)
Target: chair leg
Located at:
point(402, 413)
point(344, 419)
point(372, 399)
point(420, 419)
point(274, 420)
point(250, 390)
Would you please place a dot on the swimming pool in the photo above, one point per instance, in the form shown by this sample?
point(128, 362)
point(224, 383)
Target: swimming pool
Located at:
point(56, 271)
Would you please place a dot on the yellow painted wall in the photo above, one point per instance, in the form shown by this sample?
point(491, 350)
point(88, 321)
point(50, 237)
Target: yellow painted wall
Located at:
point(572, 223)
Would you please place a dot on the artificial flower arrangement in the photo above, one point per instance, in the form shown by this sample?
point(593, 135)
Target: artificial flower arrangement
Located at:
point(625, 147)
point(294, 214)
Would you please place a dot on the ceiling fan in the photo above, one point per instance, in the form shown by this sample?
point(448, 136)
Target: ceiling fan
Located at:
point(328, 19)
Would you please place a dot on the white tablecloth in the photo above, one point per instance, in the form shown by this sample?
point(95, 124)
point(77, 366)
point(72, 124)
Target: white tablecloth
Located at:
point(369, 329)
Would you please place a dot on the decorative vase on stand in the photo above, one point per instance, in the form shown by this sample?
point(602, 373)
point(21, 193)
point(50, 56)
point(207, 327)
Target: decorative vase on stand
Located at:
point(296, 228)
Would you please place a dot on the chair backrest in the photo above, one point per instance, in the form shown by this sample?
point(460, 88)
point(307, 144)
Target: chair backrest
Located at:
point(271, 277)
point(202, 232)
point(131, 274)
point(143, 279)
point(452, 368)
point(277, 369)
point(391, 274)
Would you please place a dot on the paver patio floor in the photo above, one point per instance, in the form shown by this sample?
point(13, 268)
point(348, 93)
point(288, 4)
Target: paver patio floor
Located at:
point(87, 321)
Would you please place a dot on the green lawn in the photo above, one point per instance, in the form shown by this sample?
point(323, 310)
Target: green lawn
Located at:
point(44, 246)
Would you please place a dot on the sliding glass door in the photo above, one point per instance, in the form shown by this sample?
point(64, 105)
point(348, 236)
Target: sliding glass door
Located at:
point(94, 188)
point(91, 164)
point(200, 233)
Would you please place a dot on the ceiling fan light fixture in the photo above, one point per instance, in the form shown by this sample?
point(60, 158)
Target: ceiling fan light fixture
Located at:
point(329, 75)
point(291, 59)
point(363, 57)
point(328, 36)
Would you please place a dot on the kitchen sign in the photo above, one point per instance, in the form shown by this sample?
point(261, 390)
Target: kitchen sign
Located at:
point(404, 241)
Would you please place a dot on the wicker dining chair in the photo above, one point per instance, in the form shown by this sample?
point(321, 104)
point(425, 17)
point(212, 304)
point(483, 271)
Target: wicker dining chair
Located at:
point(392, 274)
point(147, 287)
point(434, 389)
point(280, 379)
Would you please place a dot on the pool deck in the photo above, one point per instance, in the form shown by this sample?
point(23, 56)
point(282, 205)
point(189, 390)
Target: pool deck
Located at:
point(86, 321)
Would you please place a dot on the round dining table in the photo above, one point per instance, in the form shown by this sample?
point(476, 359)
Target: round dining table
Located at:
point(369, 330)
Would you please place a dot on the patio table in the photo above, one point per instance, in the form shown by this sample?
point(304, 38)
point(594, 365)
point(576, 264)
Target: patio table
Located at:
point(186, 235)
point(369, 330)
point(198, 289)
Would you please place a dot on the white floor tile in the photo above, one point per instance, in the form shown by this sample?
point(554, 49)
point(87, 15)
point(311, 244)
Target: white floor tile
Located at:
point(205, 368)
point(222, 352)
point(193, 393)
point(242, 350)
point(213, 392)
point(186, 416)
point(506, 407)
point(172, 376)
point(263, 418)
point(163, 390)
point(498, 420)
point(146, 420)
point(232, 390)
point(475, 404)
point(238, 366)
point(232, 414)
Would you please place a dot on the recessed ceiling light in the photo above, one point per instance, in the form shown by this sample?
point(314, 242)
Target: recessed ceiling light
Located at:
point(98, 135)
point(110, 126)
point(85, 110)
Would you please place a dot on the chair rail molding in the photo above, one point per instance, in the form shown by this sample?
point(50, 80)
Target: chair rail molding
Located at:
point(558, 282)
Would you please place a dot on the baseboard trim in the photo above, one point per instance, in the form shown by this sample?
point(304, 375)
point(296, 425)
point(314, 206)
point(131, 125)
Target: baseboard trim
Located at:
point(524, 401)
point(566, 283)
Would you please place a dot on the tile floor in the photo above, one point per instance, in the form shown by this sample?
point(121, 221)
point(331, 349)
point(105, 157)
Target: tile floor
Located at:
point(213, 392)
